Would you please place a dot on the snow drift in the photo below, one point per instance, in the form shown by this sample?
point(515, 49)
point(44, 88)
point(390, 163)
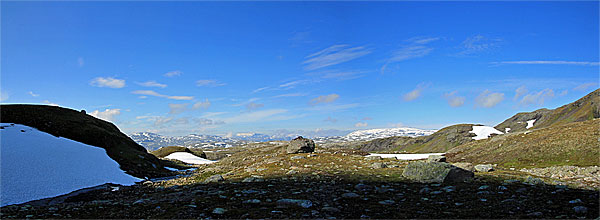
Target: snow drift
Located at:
point(188, 158)
point(36, 165)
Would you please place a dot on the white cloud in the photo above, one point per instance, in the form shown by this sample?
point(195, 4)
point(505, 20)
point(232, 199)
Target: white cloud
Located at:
point(290, 95)
point(340, 75)
point(324, 99)
point(153, 93)
point(107, 115)
point(49, 103)
point(333, 55)
point(33, 94)
point(415, 93)
point(293, 84)
point(209, 83)
point(584, 86)
point(173, 73)
point(537, 98)
point(417, 47)
point(108, 82)
point(177, 108)
point(201, 104)
point(476, 44)
point(80, 61)
point(551, 62)
point(333, 107)
point(454, 100)
point(260, 89)
point(488, 99)
point(152, 84)
point(361, 124)
point(519, 92)
point(162, 121)
point(252, 106)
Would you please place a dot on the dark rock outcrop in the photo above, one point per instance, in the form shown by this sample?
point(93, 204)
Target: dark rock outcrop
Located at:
point(436, 172)
point(300, 145)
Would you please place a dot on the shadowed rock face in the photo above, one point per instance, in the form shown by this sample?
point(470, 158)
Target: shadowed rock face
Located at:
point(436, 172)
point(300, 145)
point(84, 128)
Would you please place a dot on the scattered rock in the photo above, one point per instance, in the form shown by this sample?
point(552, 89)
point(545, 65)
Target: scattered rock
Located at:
point(300, 145)
point(483, 167)
point(436, 172)
point(484, 187)
point(580, 209)
point(252, 201)
point(378, 165)
point(294, 202)
point(373, 158)
point(214, 179)
point(436, 158)
point(387, 202)
point(362, 187)
point(219, 211)
point(297, 157)
point(350, 195)
point(329, 209)
point(535, 214)
point(253, 179)
point(576, 201)
point(291, 172)
point(533, 180)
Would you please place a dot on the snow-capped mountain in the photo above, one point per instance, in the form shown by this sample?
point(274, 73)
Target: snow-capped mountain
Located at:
point(152, 141)
point(365, 135)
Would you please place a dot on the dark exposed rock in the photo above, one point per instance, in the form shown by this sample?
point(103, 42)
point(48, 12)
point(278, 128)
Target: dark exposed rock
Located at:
point(483, 167)
point(436, 172)
point(300, 145)
point(436, 158)
point(214, 179)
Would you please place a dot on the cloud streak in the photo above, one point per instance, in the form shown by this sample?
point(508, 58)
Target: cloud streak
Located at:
point(209, 83)
point(550, 62)
point(416, 48)
point(156, 94)
point(152, 84)
point(415, 93)
point(108, 82)
point(173, 73)
point(324, 99)
point(333, 55)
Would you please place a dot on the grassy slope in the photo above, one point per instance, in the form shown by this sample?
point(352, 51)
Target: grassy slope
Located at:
point(74, 125)
point(569, 144)
point(585, 108)
point(165, 151)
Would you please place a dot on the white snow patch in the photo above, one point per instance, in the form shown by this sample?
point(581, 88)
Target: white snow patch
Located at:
point(530, 123)
point(484, 132)
point(36, 165)
point(506, 130)
point(188, 158)
point(405, 156)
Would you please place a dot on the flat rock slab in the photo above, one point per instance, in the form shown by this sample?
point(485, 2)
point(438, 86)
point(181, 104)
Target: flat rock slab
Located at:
point(436, 172)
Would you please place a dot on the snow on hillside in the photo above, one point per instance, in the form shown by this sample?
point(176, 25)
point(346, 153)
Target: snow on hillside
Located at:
point(484, 132)
point(36, 165)
point(405, 156)
point(188, 158)
point(530, 124)
point(365, 135)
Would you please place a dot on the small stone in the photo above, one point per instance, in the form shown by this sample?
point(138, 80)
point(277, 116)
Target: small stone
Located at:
point(580, 209)
point(521, 190)
point(502, 188)
point(330, 209)
point(458, 204)
point(362, 187)
point(436, 192)
point(576, 201)
point(350, 195)
point(483, 200)
point(297, 157)
point(387, 202)
point(449, 188)
point(378, 165)
point(294, 202)
point(139, 201)
point(373, 157)
point(484, 187)
point(219, 211)
point(252, 201)
point(483, 193)
point(425, 190)
point(291, 172)
point(483, 167)
point(436, 158)
point(214, 179)
point(533, 180)
point(535, 214)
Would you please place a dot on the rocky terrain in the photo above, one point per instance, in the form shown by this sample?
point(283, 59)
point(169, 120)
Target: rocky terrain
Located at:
point(268, 182)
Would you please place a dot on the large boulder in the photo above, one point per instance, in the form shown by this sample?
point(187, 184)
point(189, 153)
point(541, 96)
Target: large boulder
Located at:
point(436, 172)
point(300, 145)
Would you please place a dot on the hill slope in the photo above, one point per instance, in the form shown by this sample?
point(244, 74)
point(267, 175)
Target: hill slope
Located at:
point(77, 126)
point(585, 108)
point(569, 144)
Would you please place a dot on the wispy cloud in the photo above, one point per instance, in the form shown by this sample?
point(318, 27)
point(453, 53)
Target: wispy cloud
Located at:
point(107, 115)
point(246, 102)
point(177, 108)
point(252, 106)
point(202, 104)
point(260, 89)
point(334, 55)
point(550, 62)
point(487, 99)
point(153, 93)
point(416, 47)
point(584, 86)
point(454, 100)
point(33, 94)
point(520, 92)
point(339, 75)
point(209, 83)
point(330, 119)
point(361, 124)
point(108, 82)
point(80, 61)
point(324, 99)
point(173, 73)
point(293, 84)
point(477, 44)
point(151, 84)
point(333, 107)
point(537, 97)
point(263, 115)
point(415, 93)
point(290, 95)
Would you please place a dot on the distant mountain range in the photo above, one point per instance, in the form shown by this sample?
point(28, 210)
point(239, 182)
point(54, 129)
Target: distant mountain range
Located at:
point(152, 141)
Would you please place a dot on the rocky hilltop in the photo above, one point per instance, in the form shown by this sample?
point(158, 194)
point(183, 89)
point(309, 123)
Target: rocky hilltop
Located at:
point(84, 128)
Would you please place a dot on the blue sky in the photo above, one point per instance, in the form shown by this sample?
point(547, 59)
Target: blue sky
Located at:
point(176, 68)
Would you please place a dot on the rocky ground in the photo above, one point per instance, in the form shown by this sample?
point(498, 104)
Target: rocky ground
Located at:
point(266, 182)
